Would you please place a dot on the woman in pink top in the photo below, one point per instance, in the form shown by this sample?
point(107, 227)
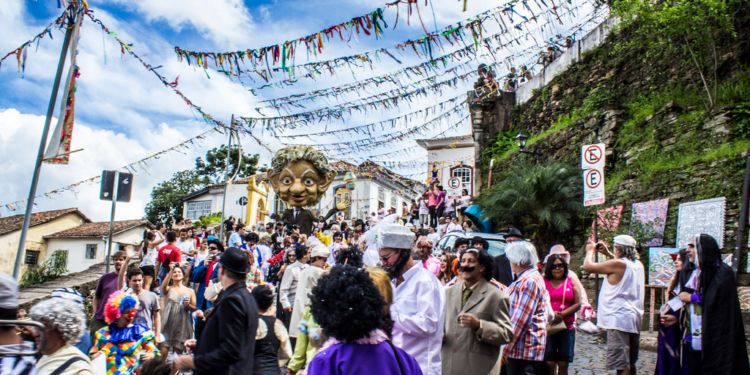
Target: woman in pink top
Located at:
point(565, 298)
point(431, 203)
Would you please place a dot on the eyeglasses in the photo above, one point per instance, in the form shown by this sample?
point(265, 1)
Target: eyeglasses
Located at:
point(558, 266)
point(213, 248)
point(385, 259)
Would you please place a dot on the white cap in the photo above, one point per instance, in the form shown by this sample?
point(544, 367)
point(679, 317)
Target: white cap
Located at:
point(320, 251)
point(8, 292)
point(625, 240)
point(395, 236)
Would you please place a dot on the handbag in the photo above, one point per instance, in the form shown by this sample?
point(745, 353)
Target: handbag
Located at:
point(560, 326)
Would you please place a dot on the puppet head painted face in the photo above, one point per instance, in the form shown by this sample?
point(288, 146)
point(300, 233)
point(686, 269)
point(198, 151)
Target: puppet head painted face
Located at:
point(300, 175)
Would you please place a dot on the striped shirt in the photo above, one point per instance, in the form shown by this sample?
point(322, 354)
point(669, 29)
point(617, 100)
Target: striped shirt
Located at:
point(16, 365)
point(528, 299)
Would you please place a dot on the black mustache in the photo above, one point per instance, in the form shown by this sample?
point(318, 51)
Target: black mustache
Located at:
point(468, 269)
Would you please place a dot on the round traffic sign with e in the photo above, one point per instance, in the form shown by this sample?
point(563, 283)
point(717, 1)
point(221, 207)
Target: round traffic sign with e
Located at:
point(593, 154)
point(454, 183)
point(593, 179)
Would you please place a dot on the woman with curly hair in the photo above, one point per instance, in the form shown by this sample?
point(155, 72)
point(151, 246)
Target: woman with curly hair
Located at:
point(350, 255)
point(349, 308)
point(64, 323)
point(124, 343)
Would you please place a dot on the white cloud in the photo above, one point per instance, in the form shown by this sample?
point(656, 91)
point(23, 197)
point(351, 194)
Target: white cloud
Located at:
point(227, 22)
point(103, 150)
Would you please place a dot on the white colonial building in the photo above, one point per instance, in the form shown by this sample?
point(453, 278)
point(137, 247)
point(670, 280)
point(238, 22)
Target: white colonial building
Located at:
point(375, 185)
point(86, 244)
point(449, 158)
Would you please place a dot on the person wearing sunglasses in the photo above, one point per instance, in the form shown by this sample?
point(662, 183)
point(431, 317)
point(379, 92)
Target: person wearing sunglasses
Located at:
point(205, 272)
point(565, 298)
point(418, 309)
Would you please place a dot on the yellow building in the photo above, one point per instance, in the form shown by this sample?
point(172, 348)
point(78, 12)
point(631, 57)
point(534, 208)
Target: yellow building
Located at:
point(260, 199)
point(42, 223)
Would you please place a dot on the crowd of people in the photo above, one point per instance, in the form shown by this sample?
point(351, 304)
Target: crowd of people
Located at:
point(275, 301)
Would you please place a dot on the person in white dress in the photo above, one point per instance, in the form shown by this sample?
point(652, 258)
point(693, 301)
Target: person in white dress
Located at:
point(418, 309)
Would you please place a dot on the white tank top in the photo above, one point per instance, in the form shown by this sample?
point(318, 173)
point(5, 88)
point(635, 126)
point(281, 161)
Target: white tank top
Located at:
point(620, 306)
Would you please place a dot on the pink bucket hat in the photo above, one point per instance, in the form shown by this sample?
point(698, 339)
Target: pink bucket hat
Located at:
point(558, 249)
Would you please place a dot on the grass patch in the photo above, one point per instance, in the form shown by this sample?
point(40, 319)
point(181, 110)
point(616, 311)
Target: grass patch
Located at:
point(672, 162)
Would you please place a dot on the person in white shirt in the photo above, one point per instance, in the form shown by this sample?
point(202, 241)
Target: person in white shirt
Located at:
point(290, 280)
point(620, 308)
point(424, 212)
point(433, 236)
point(442, 225)
point(187, 248)
point(418, 309)
point(454, 226)
point(308, 279)
point(338, 241)
point(161, 236)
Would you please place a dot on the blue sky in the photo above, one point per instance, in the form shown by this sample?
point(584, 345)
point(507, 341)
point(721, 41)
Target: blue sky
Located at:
point(123, 113)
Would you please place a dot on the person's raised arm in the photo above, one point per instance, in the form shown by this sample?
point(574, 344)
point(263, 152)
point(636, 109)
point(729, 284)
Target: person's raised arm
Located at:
point(165, 283)
point(121, 275)
point(603, 268)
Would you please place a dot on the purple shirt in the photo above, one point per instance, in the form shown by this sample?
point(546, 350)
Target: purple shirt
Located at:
point(361, 359)
point(441, 197)
point(104, 288)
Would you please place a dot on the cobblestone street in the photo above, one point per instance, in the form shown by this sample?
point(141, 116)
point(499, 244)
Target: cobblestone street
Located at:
point(591, 353)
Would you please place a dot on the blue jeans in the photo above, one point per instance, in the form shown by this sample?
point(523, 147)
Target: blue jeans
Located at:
point(561, 346)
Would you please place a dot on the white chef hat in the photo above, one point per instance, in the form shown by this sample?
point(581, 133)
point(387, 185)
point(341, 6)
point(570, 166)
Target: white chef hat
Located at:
point(395, 236)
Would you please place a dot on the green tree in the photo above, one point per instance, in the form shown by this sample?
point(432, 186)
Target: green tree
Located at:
point(214, 165)
point(688, 28)
point(542, 200)
point(166, 196)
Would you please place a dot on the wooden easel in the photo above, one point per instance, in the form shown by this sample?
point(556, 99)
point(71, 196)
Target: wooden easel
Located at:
point(652, 303)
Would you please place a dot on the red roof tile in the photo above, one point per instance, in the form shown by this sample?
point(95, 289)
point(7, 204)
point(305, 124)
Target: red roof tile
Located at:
point(100, 229)
point(14, 223)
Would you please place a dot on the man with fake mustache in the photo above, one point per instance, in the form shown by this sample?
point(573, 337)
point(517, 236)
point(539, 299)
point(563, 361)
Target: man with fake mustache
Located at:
point(418, 308)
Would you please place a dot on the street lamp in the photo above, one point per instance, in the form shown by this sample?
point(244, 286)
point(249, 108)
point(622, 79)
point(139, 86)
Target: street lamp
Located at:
point(521, 142)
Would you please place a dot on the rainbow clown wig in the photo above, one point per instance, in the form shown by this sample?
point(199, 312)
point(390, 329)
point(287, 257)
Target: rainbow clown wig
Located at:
point(118, 302)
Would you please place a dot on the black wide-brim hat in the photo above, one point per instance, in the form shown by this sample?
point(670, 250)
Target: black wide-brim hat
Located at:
point(513, 232)
point(235, 260)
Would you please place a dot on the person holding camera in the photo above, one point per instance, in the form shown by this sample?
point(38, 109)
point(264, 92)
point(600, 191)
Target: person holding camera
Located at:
point(620, 302)
point(205, 272)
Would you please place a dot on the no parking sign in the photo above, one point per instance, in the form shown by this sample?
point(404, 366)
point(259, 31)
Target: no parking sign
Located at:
point(592, 162)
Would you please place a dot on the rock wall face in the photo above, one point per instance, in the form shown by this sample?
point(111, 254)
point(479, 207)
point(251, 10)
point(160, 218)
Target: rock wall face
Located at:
point(661, 141)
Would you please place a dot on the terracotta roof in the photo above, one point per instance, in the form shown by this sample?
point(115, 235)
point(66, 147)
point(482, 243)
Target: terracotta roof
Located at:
point(14, 223)
point(100, 229)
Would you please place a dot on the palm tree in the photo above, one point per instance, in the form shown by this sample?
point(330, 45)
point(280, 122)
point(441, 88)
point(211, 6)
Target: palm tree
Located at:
point(542, 200)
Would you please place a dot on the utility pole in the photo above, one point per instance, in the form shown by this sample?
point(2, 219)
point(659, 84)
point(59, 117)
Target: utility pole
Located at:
point(72, 28)
point(742, 228)
point(226, 177)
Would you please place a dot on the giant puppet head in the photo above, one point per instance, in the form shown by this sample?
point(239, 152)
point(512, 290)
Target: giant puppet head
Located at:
point(300, 175)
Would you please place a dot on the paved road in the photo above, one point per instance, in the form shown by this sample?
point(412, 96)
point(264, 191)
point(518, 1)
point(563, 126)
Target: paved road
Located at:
point(590, 357)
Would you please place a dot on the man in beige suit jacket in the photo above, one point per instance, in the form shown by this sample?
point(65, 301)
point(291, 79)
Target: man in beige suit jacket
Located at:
point(477, 322)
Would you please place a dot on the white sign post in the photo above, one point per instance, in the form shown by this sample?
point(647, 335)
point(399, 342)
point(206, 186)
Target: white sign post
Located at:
point(592, 163)
point(454, 188)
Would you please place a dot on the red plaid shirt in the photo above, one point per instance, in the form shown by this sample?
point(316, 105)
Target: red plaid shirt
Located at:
point(528, 299)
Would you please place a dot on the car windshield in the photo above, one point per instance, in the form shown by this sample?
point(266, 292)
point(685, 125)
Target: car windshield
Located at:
point(497, 247)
